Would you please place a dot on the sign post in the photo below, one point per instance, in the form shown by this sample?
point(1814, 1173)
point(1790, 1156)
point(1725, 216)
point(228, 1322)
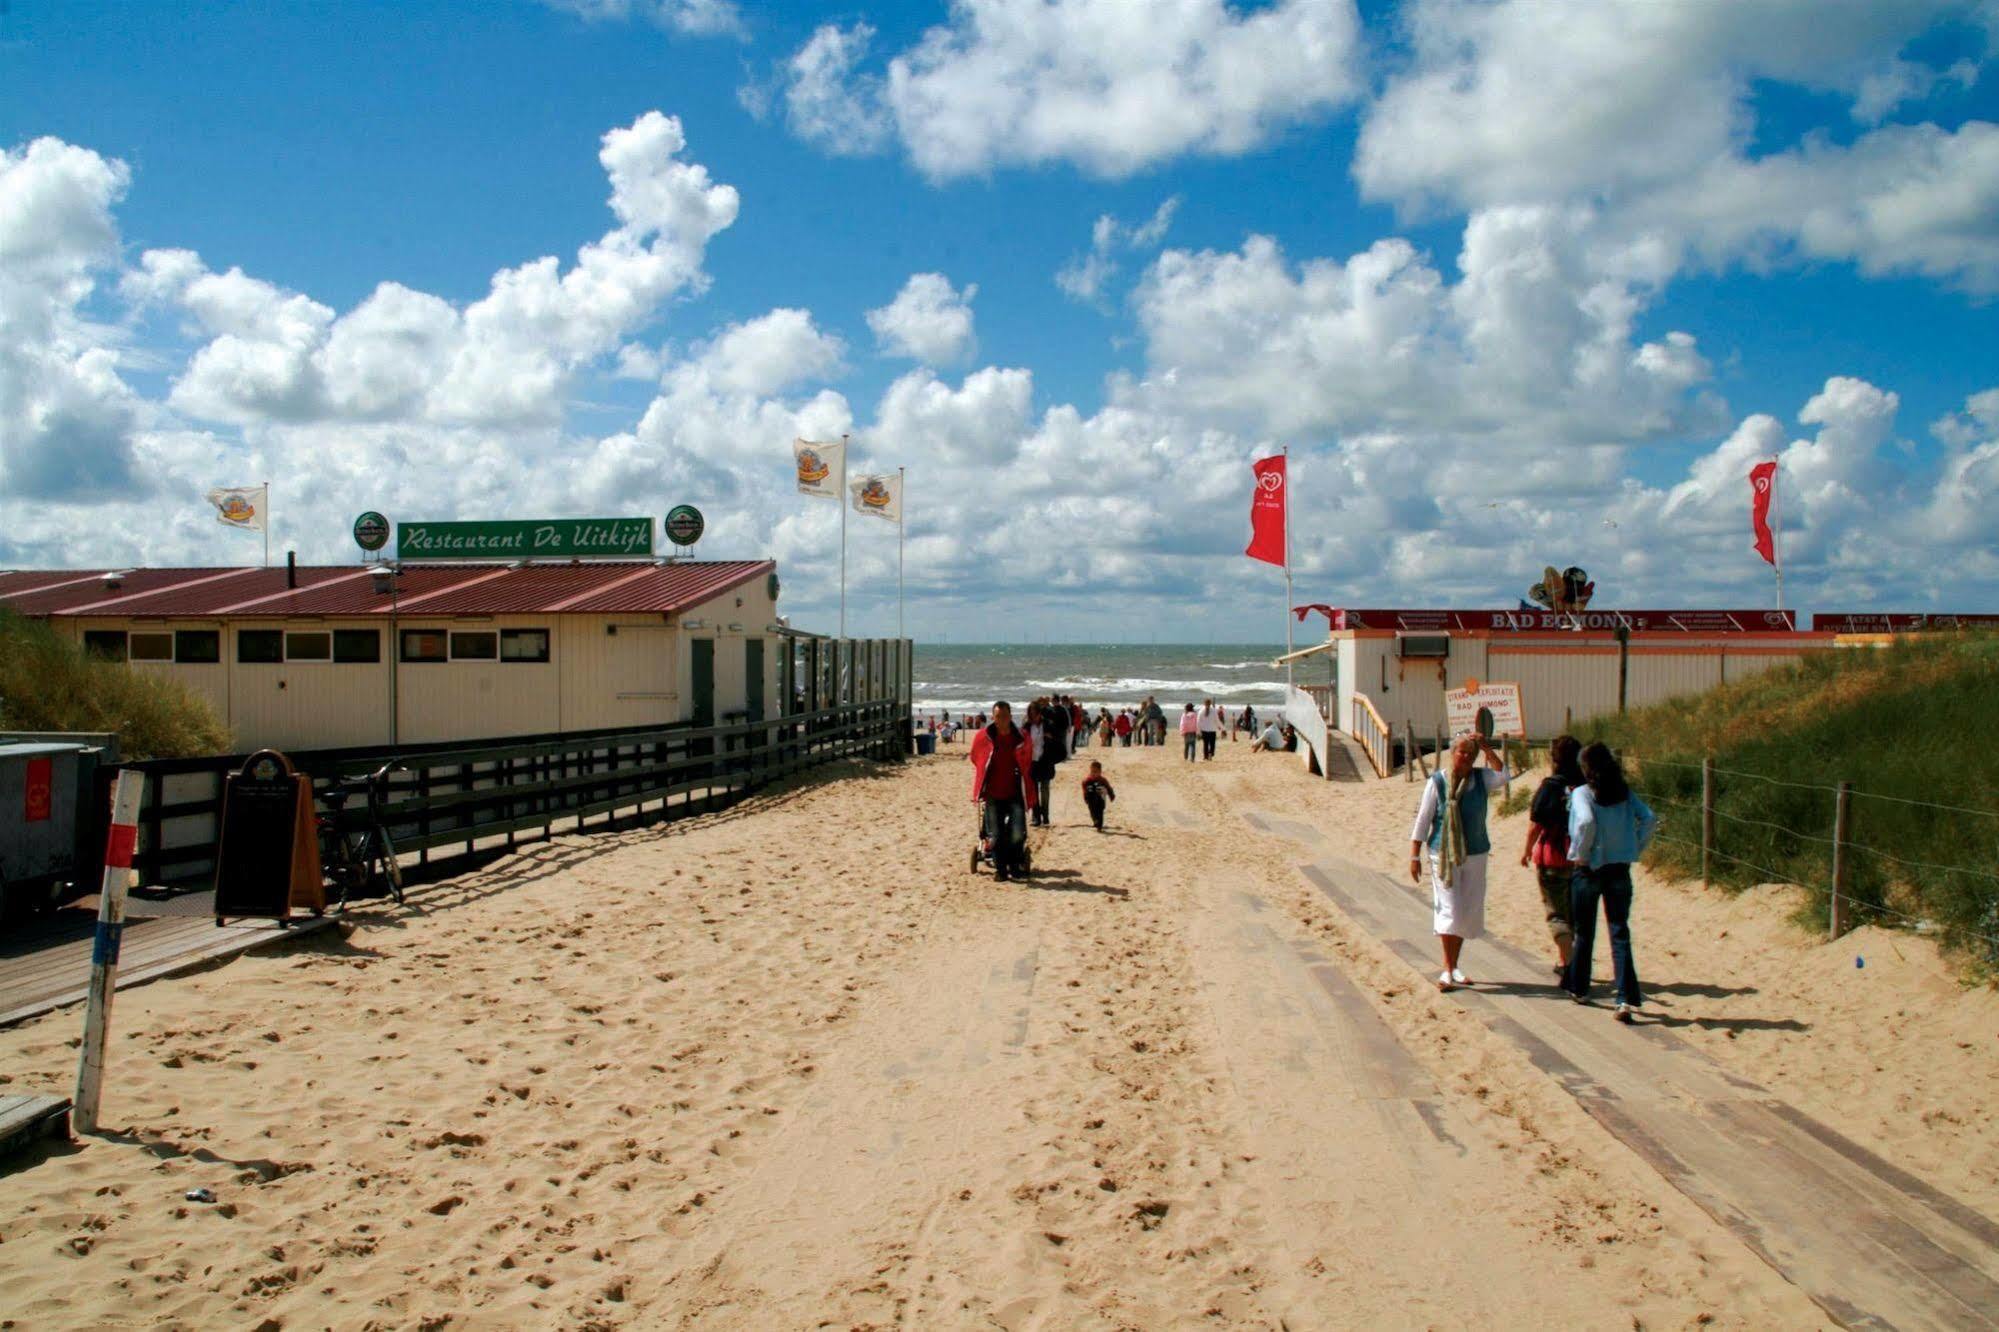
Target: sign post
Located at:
point(118, 847)
point(1492, 708)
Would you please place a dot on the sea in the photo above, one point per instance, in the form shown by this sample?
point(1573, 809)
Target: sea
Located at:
point(969, 677)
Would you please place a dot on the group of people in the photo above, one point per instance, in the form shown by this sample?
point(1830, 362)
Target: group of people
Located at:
point(1586, 828)
point(1013, 772)
point(1206, 727)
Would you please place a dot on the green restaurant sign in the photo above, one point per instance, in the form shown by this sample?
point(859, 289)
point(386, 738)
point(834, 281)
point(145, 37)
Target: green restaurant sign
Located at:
point(536, 539)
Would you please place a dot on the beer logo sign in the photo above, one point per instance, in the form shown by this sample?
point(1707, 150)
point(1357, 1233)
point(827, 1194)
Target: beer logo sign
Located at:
point(684, 525)
point(876, 494)
point(812, 469)
point(236, 509)
point(371, 531)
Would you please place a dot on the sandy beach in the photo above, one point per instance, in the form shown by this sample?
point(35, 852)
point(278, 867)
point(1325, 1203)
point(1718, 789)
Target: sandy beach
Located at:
point(792, 1066)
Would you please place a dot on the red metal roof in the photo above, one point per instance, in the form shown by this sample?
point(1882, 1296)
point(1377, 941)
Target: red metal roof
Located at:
point(622, 586)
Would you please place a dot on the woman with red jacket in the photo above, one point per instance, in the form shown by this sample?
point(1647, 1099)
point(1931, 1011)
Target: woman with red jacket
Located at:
point(1003, 783)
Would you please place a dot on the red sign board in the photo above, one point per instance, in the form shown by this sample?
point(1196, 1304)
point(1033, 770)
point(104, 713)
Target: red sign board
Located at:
point(41, 790)
point(1646, 621)
point(1887, 623)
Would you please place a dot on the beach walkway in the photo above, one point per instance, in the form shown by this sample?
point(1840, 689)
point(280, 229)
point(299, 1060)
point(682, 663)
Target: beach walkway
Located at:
point(1871, 1244)
point(791, 1065)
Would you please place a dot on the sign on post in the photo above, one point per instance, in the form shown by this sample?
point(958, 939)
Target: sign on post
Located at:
point(1491, 708)
point(684, 524)
point(119, 844)
point(541, 538)
point(371, 531)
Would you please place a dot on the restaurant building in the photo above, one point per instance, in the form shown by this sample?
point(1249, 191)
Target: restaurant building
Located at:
point(311, 657)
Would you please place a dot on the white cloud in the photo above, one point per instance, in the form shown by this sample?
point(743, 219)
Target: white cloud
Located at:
point(66, 417)
point(1648, 111)
point(1085, 277)
point(927, 321)
point(696, 18)
point(1106, 85)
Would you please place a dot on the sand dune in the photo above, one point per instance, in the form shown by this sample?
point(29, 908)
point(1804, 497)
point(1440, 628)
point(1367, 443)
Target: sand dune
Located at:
point(793, 1066)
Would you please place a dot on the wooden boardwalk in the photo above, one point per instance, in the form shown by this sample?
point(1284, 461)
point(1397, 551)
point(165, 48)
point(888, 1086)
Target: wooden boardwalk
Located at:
point(48, 965)
point(1872, 1245)
point(26, 1120)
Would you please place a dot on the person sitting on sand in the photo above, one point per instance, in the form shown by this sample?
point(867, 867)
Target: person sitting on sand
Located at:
point(1002, 763)
point(1097, 793)
point(1269, 742)
point(1547, 848)
point(1450, 829)
point(1609, 828)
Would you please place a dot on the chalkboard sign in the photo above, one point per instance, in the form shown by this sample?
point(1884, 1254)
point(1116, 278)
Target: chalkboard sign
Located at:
point(268, 861)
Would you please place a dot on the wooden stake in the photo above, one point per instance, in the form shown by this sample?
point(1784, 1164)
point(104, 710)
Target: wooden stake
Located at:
point(1707, 820)
point(119, 844)
point(1839, 843)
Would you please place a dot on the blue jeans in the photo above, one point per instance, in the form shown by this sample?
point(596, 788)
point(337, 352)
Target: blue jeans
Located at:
point(1006, 830)
point(1612, 884)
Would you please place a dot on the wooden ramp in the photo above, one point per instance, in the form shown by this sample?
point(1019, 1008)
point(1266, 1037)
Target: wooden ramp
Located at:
point(26, 1120)
point(50, 966)
point(1872, 1245)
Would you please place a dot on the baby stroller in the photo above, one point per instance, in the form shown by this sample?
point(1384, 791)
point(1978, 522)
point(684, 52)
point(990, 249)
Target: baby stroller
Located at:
point(982, 849)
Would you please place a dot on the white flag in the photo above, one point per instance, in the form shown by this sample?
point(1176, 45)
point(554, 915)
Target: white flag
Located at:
point(822, 468)
point(240, 506)
point(878, 496)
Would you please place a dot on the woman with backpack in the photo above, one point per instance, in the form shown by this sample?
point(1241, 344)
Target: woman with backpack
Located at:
point(1609, 829)
point(1547, 848)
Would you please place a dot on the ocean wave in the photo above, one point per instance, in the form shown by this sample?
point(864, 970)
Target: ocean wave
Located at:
point(1238, 665)
point(1138, 684)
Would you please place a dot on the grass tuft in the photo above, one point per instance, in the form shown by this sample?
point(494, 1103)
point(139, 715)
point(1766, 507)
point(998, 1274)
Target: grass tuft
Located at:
point(48, 683)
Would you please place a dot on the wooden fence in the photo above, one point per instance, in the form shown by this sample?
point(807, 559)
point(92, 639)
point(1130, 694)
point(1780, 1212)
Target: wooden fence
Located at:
point(480, 795)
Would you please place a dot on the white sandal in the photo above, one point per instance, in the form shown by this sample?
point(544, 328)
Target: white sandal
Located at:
point(1445, 983)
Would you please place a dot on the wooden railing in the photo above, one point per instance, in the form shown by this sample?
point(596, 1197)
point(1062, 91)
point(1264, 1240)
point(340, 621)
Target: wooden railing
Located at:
point(480, 795)
point(1366, 726)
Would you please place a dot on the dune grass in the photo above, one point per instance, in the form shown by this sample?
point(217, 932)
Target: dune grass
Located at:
point(48, 683)
point(1911, 725)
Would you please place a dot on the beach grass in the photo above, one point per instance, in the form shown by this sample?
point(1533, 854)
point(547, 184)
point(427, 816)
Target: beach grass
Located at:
point(48, 683)
point(1908, 724)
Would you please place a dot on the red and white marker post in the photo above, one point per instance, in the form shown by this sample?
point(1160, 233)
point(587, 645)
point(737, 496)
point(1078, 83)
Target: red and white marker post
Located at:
point(118, 848)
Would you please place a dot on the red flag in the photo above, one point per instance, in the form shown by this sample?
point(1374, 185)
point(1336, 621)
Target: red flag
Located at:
point(1267, 508)
point(1763, 479)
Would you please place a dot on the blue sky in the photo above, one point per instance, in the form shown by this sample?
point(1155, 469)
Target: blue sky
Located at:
point(1797, 213)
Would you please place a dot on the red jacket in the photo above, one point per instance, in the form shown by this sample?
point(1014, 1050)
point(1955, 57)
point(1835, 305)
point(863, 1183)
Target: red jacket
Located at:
point(1023, 754)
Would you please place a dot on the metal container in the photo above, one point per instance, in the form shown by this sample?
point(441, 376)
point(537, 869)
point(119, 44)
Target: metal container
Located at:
point(45, 791)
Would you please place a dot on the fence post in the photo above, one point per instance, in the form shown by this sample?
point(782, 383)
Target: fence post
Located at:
point(1409, 764)
point(1707, 820)
point(1837, 916)
point(118, 845)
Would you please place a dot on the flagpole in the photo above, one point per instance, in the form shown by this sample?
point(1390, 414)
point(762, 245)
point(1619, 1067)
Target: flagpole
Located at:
point(901, 505)
point(845, 500)
point(267, 524)
point(1287, 574)
point(1777, 529)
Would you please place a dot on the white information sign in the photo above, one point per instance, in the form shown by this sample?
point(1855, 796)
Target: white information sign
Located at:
point(1502, 698)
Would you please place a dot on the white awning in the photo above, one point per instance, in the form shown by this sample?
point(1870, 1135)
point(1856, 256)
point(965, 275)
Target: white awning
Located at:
point(1327, 646)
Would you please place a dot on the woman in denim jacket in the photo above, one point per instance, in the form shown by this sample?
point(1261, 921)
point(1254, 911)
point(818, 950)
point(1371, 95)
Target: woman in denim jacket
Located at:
point(1609, 829)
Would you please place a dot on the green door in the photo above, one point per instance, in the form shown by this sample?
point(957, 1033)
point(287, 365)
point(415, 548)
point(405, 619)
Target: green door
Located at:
point(753, 678)
point(704, 682)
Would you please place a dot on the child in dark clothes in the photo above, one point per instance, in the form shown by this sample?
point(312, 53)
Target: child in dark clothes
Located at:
point(1097, 793)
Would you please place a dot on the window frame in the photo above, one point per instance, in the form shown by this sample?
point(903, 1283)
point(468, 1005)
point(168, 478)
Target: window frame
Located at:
point(124, 644)
point(247, 635)
point(403, 647)
point(183, 635)
point(517, 635)
point(374, 637)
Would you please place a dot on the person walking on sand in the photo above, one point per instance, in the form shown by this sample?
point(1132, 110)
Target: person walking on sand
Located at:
point(1002, 756)
point(1210, 728)
point(1190, 732)
point(1609, 829)
point(1051, 747)
point(1097, 792)
point(1450, 831)
point(1547, 848)
point(1123, 727)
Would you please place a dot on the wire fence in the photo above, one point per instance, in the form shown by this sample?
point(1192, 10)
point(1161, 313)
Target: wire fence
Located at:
point(1851, 879)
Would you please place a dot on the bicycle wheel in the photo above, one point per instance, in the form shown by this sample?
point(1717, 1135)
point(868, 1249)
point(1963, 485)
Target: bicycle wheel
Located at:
point(391, 865)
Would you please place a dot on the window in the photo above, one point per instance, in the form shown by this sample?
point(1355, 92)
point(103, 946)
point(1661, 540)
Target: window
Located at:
point(423, 645)
point(309, 645)
point(198, 645)
point(523, 645)
point(259, 645)
point(105, 644)
point(482, 646)
point(152, 647)
point(364, 645)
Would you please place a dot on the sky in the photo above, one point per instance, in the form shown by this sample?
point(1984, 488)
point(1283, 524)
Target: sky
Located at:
point(1517, 283)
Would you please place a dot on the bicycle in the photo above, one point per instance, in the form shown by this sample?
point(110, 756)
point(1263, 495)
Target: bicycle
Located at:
point(357, 861)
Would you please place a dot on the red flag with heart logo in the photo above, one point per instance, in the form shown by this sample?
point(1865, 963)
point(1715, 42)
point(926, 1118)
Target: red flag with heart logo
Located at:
point(1763, 479)
point(1267, 508)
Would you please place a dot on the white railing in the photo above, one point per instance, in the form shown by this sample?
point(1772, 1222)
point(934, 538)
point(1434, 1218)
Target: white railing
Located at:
point(1366, 726)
